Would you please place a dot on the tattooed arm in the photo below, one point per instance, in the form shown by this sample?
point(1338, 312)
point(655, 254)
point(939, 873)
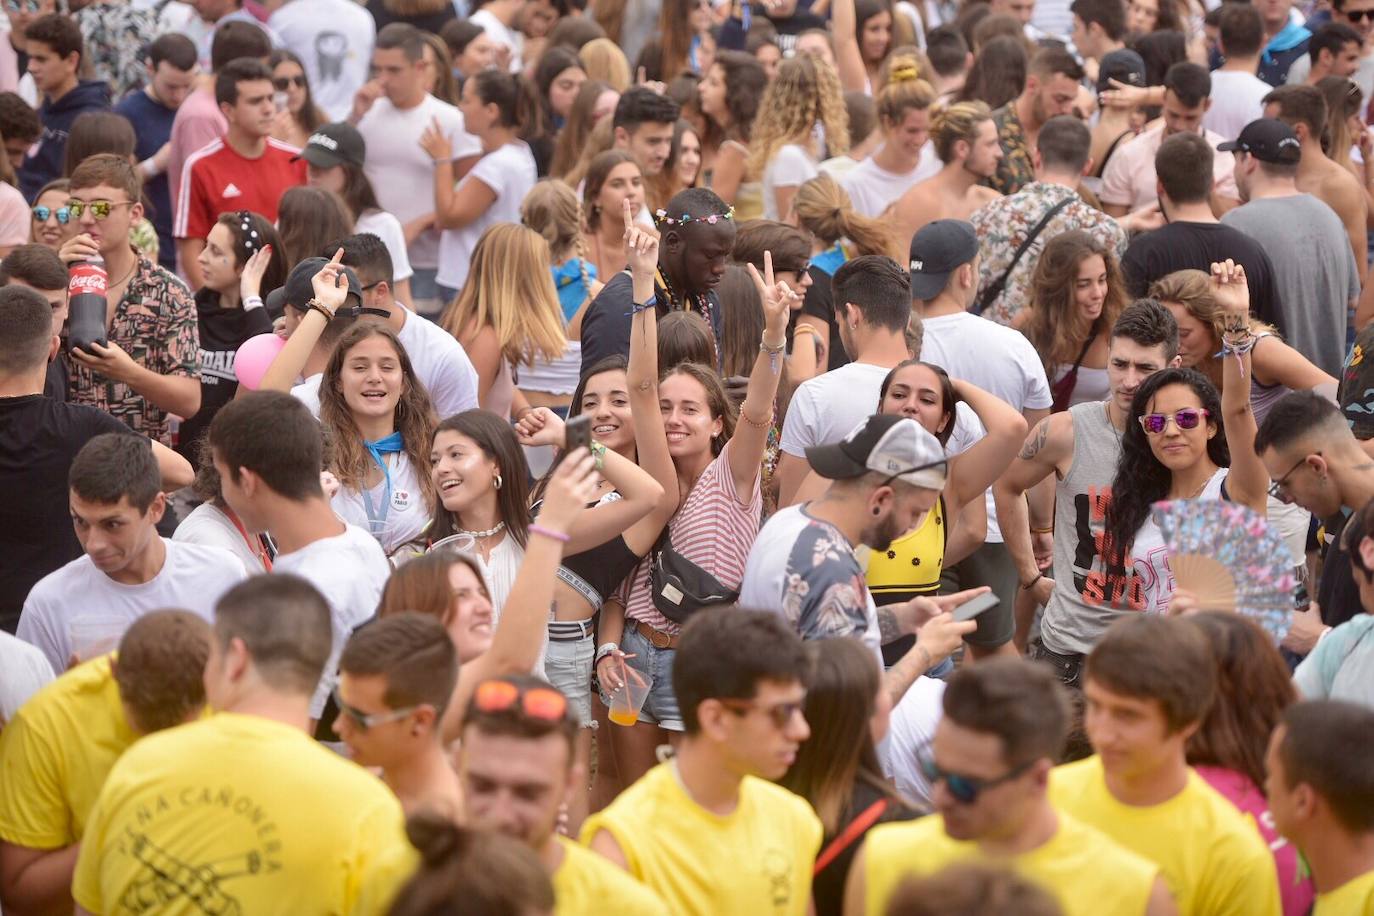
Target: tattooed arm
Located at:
point(1047, 450)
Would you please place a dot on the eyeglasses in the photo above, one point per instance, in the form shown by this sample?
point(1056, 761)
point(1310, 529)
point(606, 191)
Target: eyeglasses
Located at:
point(63, 214)
point(369, 720)
point(779, 713)
point(1188, 418)
point(965, 789)
point(1278, 489)
point(1357, 15)
point(543, 703)
point(100, 209)
point(285, 82)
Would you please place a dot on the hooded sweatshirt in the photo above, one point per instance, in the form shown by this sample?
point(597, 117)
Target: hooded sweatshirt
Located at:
point(222, 332)
point(43, 162)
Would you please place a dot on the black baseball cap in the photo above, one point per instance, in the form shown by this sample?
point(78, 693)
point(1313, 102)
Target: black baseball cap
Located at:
point(1268, 140)
point(939, 249)
point(334, 144)
point(298, 289)
point(1124, 66)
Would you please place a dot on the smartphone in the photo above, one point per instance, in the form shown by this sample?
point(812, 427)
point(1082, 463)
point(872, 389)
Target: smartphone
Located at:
point(975, 606)
point(578, 433)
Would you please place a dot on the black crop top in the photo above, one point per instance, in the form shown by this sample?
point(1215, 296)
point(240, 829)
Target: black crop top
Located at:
point(601, 568)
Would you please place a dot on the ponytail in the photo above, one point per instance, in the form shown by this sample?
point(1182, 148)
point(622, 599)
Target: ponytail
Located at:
point(516, 101)
point(825, 210)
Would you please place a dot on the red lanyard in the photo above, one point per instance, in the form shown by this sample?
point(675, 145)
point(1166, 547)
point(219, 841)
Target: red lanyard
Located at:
point(254, 543)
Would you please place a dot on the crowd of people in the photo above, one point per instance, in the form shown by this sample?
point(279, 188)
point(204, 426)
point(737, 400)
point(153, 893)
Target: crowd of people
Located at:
point(528, 457)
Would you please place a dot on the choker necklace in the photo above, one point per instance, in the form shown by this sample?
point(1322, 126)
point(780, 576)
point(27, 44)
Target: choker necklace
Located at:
point(478, 535)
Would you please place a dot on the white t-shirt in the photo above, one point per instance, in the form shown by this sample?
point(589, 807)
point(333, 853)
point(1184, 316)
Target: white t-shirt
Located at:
point(503, 35)
point(334, 40)
point(395, 521)
point(1150, 557)
point(909, 732)
point(510, 172)
point(388, 228)
point(192, 578)
point(439, 361)
point(873, 189)
point(790, 167)
point(24, 670)
point(207, 524)
point(997, 359)
point(1237, 99)
point(350, 570)
point(402, 172)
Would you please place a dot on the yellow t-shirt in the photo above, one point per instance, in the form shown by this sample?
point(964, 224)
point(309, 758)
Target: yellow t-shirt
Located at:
point(56, 753)
point(1212, 857)
point(755, 861)
point(912, 564)
point(237, 814)
point(585, 884)
point(1353, 898)
point(1086, 872)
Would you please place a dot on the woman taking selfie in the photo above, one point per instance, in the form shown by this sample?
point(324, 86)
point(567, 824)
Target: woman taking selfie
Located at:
point(1077, 292)
point(380, 420)
point(1182, 441)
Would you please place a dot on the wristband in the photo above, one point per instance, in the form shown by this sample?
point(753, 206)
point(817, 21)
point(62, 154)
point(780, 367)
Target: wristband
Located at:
point(252, 302)
point(1049, 530)
point(1031, 584)
point(603, 650)
point(149, 168)
point(765, 348)
point(598, 455)
point(550, 533)
point(315, 305)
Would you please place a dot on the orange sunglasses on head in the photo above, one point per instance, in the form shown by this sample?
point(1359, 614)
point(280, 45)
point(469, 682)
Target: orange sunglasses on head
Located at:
point(543, 703)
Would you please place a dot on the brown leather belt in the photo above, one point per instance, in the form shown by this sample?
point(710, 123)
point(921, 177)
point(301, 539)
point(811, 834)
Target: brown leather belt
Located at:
point(657, 638)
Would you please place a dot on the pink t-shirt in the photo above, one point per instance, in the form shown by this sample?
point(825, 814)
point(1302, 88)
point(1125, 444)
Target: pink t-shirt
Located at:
point(713, 529)
point(198, 121)
point(1296, 890)
point(1129, 177)
point(14, 216)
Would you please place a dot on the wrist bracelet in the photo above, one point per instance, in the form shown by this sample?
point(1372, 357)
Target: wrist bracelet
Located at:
point(763, 347)
point(1049, 530)
point(1031, 584)
point(603, 650)
point(252, 302)
point(761, 424)
point(316, 305)
point(598, 455)
point(550, 533)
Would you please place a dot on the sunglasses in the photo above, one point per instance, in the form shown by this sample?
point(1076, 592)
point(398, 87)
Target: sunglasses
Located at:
point(1188, 418)
point(100, 209)
point(285, 82)
point(965, 789)
point(63, 214)
point(1357, 15)
point(1279, 488)
point(542, 703)
point(369, 720)
point(780, 713)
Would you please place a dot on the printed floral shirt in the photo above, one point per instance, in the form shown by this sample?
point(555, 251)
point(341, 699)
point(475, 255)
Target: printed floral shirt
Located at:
point(1002, 225)
point(155, 323)
point(824, 593)
point(115, 35)
point(1017, 168)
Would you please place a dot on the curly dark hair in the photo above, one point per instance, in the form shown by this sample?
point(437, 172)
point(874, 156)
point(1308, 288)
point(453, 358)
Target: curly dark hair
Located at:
point(1141, 480)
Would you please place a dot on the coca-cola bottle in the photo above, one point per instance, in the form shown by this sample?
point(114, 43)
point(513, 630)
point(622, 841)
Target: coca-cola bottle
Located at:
point(86, 304)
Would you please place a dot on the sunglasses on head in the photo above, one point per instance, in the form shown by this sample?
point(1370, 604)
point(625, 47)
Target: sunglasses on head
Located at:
point(543, 703)
point(285, 82)
point(63, 214)
point(1187, 418)
point(965, 789)
point(100, 209)
point(368, 720)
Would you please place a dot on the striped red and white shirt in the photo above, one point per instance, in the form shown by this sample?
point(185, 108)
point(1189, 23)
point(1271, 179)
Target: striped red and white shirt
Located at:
point(216, 179)
point(713, 529)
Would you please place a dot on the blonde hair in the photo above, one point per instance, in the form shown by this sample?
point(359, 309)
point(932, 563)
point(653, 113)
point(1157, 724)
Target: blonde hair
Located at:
point(806, 90)
point(603, 60)
point(903, 64)
point(553, 210)
point(825, 210)
point(1192, 289)
point(956, 122)
point(906, 89)
point(510, 290)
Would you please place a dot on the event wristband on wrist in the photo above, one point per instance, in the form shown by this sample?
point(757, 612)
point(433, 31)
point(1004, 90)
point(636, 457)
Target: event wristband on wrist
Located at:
point(550, 533)
point(598, 455)
point(603, 650)
point(252, 302)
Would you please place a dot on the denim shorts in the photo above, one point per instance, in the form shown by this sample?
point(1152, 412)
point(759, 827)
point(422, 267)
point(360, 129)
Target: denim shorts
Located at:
point(661, 707)
point(568, 666)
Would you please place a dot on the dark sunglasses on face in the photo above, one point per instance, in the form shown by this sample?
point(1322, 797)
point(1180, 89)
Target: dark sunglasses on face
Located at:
point(1188, 418)
point(285, 82)
point(100, 209)
point(780, 714)
point(63, 214)
point(965, 789)
point(1357, 15)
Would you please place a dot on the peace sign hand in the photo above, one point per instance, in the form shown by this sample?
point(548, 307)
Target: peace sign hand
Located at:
point(641, 246)
point(777, 300)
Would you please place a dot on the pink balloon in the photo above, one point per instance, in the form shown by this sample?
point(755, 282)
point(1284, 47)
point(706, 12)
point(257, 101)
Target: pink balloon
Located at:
point(253, 358)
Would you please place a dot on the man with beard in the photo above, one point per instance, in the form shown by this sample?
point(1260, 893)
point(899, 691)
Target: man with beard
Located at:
point(885, 476)
point(965, 139)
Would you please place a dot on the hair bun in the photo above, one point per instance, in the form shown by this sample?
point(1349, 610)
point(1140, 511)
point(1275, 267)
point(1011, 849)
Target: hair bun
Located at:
point(436, 838)
point(904, 74)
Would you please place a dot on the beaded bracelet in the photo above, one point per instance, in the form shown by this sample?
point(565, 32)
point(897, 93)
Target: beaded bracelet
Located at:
point(761, 424)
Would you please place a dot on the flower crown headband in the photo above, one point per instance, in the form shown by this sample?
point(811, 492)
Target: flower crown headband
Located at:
point(662, 217)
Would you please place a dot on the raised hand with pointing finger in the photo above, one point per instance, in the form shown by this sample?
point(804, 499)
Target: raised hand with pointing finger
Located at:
point(331, 283)
point(641, 245)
